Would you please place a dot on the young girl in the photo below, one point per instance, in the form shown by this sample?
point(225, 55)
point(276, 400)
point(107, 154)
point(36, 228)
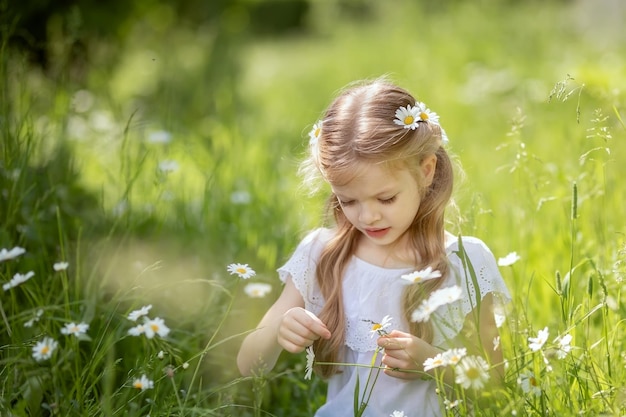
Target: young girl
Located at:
point(348, 288)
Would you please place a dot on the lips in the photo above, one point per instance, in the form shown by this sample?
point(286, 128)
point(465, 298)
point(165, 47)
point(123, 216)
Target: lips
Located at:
point(377, 233)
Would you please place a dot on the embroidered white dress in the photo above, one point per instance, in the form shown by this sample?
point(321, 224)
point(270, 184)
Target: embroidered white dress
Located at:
point(371, 293)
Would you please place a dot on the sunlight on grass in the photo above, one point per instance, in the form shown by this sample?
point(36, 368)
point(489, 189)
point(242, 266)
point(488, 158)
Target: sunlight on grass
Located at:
point(178, 157)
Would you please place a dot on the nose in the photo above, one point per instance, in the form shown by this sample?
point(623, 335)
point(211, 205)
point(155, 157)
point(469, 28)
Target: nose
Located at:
point(368, 214)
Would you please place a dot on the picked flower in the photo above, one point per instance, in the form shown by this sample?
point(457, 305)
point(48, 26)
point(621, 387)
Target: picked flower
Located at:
point(529, 384)
point(536, 343)
point(75, 329)
point(17, 280)
point(380, 328)
point(310, 360)
point(315, 133)
point(421, 276)
point(44, 349)
point(143, 311)
point(143, 383)
point(509, 259)
point(257, 289)
point(243, 270)
point(472, 372)
point(60, 266)
point(155, 326)
point(408, 117)
point(11, 253)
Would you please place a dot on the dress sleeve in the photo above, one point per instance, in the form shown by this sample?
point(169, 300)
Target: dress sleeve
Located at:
point(300, 268)
point(477, 273)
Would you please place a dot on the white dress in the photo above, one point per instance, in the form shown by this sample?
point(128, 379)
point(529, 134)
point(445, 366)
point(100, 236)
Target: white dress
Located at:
point(372, 292)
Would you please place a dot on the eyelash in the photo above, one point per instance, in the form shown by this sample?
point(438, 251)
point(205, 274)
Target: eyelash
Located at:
point(385, 201)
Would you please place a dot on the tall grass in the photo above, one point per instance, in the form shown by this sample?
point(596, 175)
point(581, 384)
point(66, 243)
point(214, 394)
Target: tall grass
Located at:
point(148, 184)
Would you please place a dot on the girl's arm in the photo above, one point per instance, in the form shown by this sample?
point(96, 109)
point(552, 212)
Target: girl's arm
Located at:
point(404, 351)
point(286, 325)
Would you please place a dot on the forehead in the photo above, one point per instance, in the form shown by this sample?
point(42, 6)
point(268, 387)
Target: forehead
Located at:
point(367, 179)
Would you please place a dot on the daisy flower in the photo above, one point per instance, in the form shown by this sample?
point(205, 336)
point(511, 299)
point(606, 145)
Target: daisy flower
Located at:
point(155, 326)
point(257, 289)
point(472, 372)
point(143, 311)
point(379, 328)
point(60, 266)
point(11, 253)
point(397, 413)
point(75, 329)
point(509, 259)
point(243, 270)
point(137, 330)
point(44, 349)
point(536, 343)
point(160, 136)
point(420, 276)
point(453, 356)
point(528, 383)
point(17, 280)
point(564, 346)
point(424, 114)
point(315, 133)
point(34, 319)
point(310, 360)
point(436, 362)
point(408, 117)
point(446, 295)
point(143, 383)
point(423, 312)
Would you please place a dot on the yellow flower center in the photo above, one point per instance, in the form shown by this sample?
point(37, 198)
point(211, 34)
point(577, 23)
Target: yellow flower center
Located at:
point(241, 270)
point(138, 384)
point(532, 381)
point(154, 327)
point(45, 350)
point(376, 326)
point(424, 116)
point(472, 373)
point(317, 132)
point(408, 120)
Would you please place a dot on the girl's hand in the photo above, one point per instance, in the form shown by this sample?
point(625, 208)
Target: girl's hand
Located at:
point(402, 351)
point(298, 329)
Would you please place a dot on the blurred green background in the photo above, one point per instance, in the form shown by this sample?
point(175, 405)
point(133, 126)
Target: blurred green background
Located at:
point(163, 138)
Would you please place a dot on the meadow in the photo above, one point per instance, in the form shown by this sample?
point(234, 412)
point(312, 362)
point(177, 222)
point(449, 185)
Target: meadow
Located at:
point(129, 182)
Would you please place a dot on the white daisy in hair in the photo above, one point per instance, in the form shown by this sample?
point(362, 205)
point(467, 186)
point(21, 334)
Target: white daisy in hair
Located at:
point(315, 133)
point(425, 114)
point(408, 117)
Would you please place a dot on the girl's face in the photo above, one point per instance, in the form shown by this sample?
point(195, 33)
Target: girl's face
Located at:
point(382, 202)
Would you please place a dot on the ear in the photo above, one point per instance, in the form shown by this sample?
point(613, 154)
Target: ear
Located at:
point(428, 166)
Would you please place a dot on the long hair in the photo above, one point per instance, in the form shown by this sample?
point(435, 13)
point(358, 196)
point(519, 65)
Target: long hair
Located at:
point(358, 127)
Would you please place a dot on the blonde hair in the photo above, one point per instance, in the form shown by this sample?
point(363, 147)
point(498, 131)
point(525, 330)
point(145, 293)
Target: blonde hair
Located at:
point(358, 127)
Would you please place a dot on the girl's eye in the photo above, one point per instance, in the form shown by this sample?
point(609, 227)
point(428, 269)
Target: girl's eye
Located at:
point(388, 200)
point(346, 203)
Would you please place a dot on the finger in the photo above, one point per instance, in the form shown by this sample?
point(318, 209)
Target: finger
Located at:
point(315, 325)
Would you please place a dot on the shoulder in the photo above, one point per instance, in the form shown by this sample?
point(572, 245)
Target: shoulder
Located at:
point(315, 240)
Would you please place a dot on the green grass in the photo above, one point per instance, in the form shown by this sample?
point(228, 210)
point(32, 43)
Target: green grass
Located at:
point(531, 96)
